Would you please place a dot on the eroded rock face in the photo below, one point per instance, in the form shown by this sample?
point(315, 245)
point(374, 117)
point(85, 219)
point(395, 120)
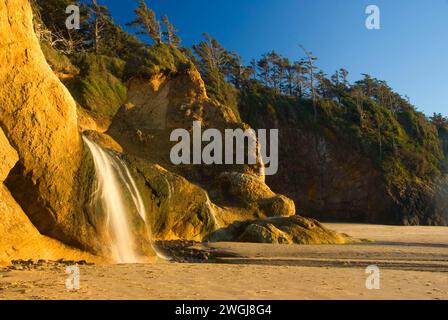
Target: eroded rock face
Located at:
point(38, 116)
point(329, 180)
point(154, 104)
point(181, 207)
point(18, 237)
point(177, 209)
point(159, 105)
point(441, 200)
point(251, 193)
point(8, 157)
point(14, 226)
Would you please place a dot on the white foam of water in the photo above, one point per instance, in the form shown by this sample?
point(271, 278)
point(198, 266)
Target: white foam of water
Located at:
point(111, 197)
point(211, 210)
point(133, 190)
point(262, 170)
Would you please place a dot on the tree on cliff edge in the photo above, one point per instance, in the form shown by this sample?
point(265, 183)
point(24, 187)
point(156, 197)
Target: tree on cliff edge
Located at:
point(311, 70)
point(146, 23)
point(100, 18)
point(169, 34)
point(438, 120)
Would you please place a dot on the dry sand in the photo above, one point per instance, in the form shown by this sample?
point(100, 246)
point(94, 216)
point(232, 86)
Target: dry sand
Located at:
point(413, 263)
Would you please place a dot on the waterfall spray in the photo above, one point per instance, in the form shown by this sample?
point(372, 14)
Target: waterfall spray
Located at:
point(111, 175)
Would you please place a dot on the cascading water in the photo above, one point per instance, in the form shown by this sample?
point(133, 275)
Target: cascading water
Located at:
point(211, 211)
point(111, 175)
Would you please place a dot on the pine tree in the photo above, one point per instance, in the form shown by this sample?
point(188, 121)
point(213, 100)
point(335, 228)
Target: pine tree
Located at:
point(439, 121)
point(311, 69)
point(212, 55)
point(344, 76)
point(146, 23)
point(253, 66)
point(278, 65)
point(299, 78)
point(238, 73)
point(170, 35)
point(290, 75)
point(100, 19)
point(335, 78)
point(324, 85)
point(263, 70)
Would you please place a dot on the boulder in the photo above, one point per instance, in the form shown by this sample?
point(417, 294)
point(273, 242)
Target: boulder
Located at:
point(281, 230)
point(176, 208)
point(267, 233)
point(250, 192)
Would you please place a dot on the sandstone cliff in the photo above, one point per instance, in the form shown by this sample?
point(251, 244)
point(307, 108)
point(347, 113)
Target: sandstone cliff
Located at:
point(49, 175)
point(192, 200)
point(162, 103)
point(19, 239)
point(38, 116)
point(343, 166)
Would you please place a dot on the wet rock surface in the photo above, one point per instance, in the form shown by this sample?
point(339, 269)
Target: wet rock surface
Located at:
point(184, 251)
point(281, 230)
point(23, 265)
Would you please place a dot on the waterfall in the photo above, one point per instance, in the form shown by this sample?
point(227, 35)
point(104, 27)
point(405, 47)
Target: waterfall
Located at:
point(262, 170)
point(113, 175)
point(211, 210)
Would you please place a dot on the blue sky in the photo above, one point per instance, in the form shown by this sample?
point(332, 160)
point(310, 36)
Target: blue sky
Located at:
point(410, 51)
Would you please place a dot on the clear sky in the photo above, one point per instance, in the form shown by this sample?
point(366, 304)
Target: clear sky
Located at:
point(410, 51)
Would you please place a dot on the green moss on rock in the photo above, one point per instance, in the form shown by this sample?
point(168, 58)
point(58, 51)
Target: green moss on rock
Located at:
point(98, 88)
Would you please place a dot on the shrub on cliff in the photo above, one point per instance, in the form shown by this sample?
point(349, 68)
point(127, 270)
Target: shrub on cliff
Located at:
point(441, 123)
point(151, 60)
point(401, 144)
point(98, 87)
point(220, 90)
point(58, 61)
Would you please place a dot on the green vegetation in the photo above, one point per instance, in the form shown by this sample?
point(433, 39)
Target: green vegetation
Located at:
point(441, 123)
point(146, 23)
point(98, 87)
point(156, 59)
point(99, 58)
point(219, 71)
point(410, 149)
point(58, 61)
point(400, 140)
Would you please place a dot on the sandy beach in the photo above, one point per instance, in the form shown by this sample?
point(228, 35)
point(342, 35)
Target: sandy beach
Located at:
point(413, 262)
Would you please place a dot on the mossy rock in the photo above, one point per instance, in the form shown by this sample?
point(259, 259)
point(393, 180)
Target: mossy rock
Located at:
point(281, 230)
point(59, 62)
point(251, 193)
point(149, 61)
point(98, 88)
point(177, 209)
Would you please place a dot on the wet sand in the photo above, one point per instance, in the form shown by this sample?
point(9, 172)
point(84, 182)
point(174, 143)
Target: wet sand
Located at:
point(413, 262)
